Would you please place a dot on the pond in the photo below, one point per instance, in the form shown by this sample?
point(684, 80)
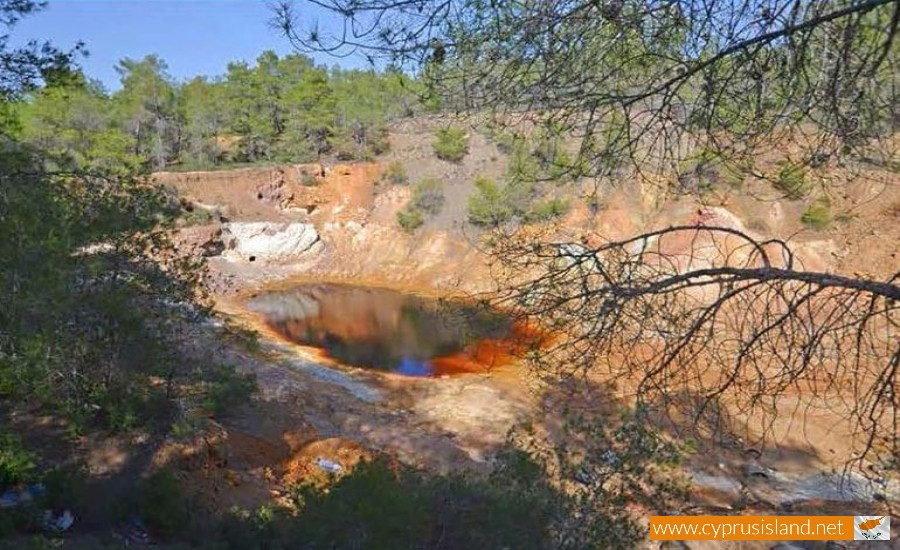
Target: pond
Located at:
point(390, 331)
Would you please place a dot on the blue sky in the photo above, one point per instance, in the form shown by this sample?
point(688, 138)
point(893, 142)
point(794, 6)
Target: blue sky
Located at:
point(193, 36)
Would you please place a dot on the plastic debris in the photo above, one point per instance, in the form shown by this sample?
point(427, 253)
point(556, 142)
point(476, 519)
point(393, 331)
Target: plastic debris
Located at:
point(57, 523)
point(18, 496)
point(328, 465)
point(9, 499)
point(137, 532)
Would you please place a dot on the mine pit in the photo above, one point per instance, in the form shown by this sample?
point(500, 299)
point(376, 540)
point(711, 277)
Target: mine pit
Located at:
point(390, 331)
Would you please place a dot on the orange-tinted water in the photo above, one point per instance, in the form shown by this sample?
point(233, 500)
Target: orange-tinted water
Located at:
point(391, 331)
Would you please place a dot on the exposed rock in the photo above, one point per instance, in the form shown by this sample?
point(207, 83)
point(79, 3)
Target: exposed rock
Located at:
point(755, 469)
point(221, 283)
point(750, 452)
point(200, 240)
point(782, 489)
point(194, 212)
point(275, 191)
point(722, 484)
point(776, 212)
point(269, 241)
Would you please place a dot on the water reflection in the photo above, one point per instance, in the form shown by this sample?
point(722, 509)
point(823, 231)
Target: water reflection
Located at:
point(388, 330)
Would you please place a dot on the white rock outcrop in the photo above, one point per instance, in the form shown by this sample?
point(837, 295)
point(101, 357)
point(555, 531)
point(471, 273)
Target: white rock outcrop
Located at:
point(269, 241)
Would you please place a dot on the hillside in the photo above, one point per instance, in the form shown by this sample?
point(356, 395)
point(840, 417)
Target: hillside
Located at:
point(353, 211)
point(355, 205)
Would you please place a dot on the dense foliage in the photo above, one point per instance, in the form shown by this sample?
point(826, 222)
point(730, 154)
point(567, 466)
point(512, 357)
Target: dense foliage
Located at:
point(94, 296)
point(451, 144)
point(535, 169)
point(278, 109)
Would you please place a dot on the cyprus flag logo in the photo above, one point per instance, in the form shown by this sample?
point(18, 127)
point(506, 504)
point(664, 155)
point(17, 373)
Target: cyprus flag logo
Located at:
point(871, 528)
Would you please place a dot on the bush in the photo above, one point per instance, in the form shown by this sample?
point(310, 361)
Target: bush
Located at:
point(396, 174)
point(818, 215)
point(198, 216)
point(451, 144)
point(792, 181)
point(371, 508)
point(308, 180)
point(383, 505)
point(378, 142)
point(707, 169)
point(523, 166)
point(227, 389)
point(562, 168)
point(16, 462)
point(427, 199)
point(66, 488)
point(410, 219)
point(489, 206)
point(428, 196)
point(547, 210)
point(162, 505)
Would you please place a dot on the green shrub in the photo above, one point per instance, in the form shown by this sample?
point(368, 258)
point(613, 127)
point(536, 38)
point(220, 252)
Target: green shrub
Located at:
point(378, 142)
point(396, 173)
point(189, 424)
point(519, 194)
point(198, 216)
point(451, 144)
point(792, 180)
point(380, 505)
point(371, 508)
point(428, 196)
point(563, 168)
point(427, 199)
point(708, 168)
point(308, 180)
point(66, 488)
point(818, 215)
point(547, 210)
point(264, 528)
point(489, 206)
point(410, 219)
point(227, 389)
point(161, 504)
point(505, 141)
point(523, 166)
point(16, 462)
point(385, 504)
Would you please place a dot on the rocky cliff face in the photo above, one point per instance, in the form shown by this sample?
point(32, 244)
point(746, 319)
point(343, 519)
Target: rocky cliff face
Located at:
point(350, 217)
point(270, 242)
